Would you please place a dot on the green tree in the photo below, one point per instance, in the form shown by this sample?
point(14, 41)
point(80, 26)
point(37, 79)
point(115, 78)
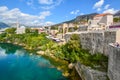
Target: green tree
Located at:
point(36, 32)
point(72, 48)
point(116, 19)
point(75, 28)
point(27, 30)
point(54, 27)
point(10, 30)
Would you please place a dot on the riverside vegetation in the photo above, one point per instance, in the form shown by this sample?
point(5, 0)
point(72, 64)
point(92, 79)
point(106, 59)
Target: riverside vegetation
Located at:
point(58, 55)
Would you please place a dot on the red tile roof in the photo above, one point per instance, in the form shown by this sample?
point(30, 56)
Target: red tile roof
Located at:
point(99, 15)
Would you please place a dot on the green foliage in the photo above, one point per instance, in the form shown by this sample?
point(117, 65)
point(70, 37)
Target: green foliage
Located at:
point(10, 30)
point(27, 30)
point(31, 31)
point(2, 35)
point(11, 49)
point(54, 27)
point(72, 48)
point(73, 52)
point(29, 40)
point(116, 19)
point(75, 28)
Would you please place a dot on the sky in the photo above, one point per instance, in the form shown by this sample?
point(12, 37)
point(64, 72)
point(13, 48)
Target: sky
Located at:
point(47, 12)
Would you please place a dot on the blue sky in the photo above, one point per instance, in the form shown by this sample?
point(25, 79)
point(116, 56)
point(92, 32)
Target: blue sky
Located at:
point(42, 12)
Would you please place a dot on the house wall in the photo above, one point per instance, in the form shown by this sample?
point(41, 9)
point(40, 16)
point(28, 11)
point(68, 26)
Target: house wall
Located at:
point(118, 36)
point(103, 20)
point(109, 20)
point(20, 30)
point(82, 28)
point(71, 25)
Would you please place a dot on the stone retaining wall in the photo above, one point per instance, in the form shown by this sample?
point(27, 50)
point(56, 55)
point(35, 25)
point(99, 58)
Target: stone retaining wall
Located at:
point(114, 63)
point(87, 73)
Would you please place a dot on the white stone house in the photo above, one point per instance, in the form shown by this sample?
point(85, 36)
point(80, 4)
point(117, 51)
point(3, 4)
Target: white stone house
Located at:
point(100, 22)
point(20, 30)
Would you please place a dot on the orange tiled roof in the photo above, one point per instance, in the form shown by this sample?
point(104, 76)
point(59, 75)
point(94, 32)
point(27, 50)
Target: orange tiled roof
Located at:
point(99, 15)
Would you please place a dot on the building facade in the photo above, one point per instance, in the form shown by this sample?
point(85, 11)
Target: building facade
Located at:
point(20, 30)
point(100, 22)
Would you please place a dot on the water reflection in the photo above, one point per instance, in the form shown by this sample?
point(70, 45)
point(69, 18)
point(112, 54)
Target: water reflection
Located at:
point(10, 48)
point(17, 64)
point(2, 52)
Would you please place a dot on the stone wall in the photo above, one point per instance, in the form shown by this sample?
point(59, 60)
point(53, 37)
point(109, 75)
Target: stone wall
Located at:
point(114, 63)
point(95, 41)
point(92, 41)
point(82, 28)
point(109, 37)
point(99, 42)
point(87, 73)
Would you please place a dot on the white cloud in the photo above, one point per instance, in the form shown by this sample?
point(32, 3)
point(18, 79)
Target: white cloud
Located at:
point(112, 11)
point(98, 9)
point(46, 1)
point(3, 8)
point(107, 6)
point(44, 14)
point(11, 16)
point(53, 5)
point(74, 12)
point(81, 13)
point(48, 23)
point(30, 2)
point(44, 4)
point(98, 4)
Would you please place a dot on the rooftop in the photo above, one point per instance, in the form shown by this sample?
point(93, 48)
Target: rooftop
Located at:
point(99, 15)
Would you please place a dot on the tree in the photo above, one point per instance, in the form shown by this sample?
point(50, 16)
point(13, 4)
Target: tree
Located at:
point(75, 28)
point(36, 32)
point(10, 30)
point(72, 48)
point(116, 19)
point(54, 27)
point(27, 30)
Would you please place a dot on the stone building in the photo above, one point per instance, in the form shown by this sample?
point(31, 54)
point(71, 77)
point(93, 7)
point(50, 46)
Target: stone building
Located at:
point(65, 28)
point(82, 28)
point(20, 30)
point(100, 22)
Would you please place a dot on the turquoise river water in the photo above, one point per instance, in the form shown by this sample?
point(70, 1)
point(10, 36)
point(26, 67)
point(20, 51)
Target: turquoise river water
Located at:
point(17, 64)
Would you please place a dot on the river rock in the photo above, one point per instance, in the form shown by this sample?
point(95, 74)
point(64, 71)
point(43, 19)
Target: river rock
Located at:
point(71, 65)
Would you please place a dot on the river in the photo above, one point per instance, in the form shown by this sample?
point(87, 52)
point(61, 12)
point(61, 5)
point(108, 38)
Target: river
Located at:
point(18, 64)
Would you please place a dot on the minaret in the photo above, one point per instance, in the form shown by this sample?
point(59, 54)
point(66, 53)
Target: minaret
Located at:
point(17, 25)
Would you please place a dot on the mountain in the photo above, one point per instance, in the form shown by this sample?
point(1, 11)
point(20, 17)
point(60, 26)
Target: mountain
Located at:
point(117, 13)
point(3, 25)
point(85, 17)
point(82, 18)
point(78, 19)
